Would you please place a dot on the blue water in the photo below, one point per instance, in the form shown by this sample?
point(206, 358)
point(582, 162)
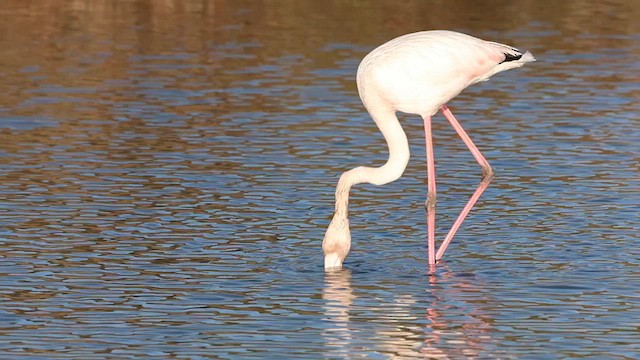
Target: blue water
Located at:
point(168, 173)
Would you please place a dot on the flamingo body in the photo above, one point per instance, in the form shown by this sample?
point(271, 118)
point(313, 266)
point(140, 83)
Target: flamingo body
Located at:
point(416, 73)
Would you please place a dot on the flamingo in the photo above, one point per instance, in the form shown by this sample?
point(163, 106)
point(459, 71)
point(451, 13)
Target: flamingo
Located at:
point(417, 73)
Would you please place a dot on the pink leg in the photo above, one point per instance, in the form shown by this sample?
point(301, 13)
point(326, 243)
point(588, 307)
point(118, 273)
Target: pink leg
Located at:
point(487, 175)
point(431, 192)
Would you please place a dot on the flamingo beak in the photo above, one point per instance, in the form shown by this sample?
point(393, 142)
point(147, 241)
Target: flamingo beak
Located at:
point(332, 261)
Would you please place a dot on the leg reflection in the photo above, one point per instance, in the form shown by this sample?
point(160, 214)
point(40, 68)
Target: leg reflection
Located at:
point(466, 337)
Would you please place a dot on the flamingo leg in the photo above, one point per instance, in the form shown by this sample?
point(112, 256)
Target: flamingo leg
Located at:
point(430, 204)
point(487, 176)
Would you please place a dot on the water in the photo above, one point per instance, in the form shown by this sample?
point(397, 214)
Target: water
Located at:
point(168, 171)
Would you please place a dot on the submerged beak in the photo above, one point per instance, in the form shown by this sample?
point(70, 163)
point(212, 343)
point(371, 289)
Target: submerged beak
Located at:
point(332, 261)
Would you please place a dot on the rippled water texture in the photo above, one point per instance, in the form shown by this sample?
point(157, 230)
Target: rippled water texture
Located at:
point(168, 167)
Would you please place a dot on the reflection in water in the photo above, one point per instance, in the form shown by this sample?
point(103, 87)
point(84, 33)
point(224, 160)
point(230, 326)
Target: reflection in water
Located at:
point(407, 335)
point(402, 339)
point(473, 337)
point(339, 297)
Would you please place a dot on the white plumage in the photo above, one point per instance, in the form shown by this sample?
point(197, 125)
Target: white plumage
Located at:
point(417, 73)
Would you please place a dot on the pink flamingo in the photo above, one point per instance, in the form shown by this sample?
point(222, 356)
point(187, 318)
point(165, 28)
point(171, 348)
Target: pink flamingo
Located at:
point(418, 74)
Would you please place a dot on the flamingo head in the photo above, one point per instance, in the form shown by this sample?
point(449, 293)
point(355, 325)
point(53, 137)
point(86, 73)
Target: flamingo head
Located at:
point(336, 243)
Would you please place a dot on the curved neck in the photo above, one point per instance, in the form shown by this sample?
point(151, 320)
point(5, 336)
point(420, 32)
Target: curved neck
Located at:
point(398, 145)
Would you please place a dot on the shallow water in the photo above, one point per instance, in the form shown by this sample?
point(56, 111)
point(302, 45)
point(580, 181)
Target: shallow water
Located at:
point(168, 171)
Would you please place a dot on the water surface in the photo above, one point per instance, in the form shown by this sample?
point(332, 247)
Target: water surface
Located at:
point(167, 174)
